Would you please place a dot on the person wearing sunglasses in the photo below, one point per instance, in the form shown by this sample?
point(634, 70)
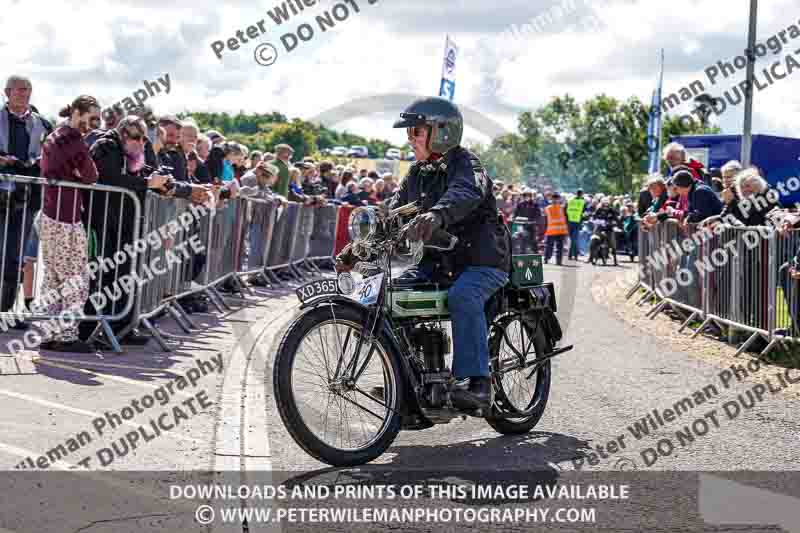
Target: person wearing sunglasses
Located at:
point(454, 193)
point(119, 155)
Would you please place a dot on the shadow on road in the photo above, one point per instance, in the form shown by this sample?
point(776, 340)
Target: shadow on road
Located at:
point(528, 458)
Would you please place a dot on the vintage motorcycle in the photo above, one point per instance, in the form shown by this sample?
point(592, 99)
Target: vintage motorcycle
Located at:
point(600, 243)
point(367, 357)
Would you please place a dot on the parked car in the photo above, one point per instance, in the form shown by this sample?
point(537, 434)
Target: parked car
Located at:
point(339, 151)
point(394, 153)
point(358, 151)
point(410, 156)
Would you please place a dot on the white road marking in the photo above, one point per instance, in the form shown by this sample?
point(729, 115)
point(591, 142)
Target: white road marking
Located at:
point(83, 412)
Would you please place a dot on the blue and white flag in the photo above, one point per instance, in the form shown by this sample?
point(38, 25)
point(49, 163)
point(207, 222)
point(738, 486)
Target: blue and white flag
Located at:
point(447, 89)
point(654, 126)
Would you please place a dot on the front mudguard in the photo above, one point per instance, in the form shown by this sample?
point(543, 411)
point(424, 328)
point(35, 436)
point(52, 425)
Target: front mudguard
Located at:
point(410, 405)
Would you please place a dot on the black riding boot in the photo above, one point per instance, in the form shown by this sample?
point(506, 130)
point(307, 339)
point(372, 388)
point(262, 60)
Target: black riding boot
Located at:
point(476, 396)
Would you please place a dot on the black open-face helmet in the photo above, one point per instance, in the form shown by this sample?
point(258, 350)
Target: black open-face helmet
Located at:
point(439, 112)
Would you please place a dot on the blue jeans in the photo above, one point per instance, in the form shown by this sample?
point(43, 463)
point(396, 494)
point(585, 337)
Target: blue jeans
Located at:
point(466, 300)
point(574, 232)
point(583, 240)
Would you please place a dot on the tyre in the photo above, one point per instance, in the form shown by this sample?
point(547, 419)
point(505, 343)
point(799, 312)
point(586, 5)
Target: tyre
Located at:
point(315, 389)
point(514, 391)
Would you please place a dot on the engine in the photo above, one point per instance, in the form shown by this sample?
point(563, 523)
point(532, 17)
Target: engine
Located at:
point(430, 344)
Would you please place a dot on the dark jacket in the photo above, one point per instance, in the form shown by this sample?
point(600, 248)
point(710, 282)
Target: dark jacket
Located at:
point(751, 211)
point(528, 209)
point(110, 213)
point(462, 195)
point(732, 208)
point(111, 165)
point(645, 199)
point(609, 214)
point(174, 158)
point(703, 203)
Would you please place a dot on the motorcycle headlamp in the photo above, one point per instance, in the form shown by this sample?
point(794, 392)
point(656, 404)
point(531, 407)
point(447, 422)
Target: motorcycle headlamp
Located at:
point(363, 224)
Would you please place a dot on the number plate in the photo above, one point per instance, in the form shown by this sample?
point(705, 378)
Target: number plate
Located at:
point(367, 290)
point(320, 287)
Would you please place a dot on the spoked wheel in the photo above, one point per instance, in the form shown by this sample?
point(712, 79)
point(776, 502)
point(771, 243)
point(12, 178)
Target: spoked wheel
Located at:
point(519, 389)
point(342, 410)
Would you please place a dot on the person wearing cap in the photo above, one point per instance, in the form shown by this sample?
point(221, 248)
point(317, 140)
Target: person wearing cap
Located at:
point(702, 202)
point(283, 154)
point(257, 182)
point(575, 208)
point(170, 154)
point(556, 230)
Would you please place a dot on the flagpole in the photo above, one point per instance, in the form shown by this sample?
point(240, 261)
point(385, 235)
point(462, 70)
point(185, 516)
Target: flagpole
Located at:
point(660, 84)
point(747, 134)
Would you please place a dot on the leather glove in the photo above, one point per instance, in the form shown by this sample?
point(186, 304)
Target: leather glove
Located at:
point(423, 227)
point(345, 260)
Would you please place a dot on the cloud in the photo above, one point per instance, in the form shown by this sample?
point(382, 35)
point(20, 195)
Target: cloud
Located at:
point(393, 46)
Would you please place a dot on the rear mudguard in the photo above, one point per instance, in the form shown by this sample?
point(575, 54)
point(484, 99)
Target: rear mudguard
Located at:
point(410, 404)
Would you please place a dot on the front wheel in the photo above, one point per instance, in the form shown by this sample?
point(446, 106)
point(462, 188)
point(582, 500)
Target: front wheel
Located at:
point(513, 344)
point(341, 409)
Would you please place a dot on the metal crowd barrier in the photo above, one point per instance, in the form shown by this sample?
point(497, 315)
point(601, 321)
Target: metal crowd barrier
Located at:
point(323, 236)
point(302, 246)
point(164, 292)
point(111, 218)
point(176, 251)
point(284, 236)
point(736, 277)
point(261, 218)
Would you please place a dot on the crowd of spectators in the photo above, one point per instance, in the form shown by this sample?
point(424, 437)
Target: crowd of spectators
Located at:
point(163, 154)
point(173, 157)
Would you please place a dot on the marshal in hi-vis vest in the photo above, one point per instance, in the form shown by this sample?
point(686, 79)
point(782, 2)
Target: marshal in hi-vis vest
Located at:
point(575, 209)
point(556, 221)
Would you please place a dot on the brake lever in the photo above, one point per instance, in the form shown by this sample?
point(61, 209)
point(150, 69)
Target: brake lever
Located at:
point(449, 248)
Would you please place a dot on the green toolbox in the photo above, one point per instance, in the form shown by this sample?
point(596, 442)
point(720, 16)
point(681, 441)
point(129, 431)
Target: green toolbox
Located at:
point(526, 270)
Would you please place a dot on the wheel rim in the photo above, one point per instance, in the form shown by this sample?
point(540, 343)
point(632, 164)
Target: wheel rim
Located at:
point(514, 387)
point(342, 412)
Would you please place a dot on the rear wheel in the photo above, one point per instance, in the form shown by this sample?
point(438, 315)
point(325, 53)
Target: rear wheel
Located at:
point(518, 389)
point(341, 410)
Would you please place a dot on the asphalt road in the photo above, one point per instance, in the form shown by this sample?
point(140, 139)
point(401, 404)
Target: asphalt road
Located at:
point(614, 376)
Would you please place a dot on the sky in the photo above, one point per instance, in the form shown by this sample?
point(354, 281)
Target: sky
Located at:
point(513, 55)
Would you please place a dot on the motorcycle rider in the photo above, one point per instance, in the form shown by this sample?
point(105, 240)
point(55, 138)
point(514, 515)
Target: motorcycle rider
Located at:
point(454, 194)
point(608, 214)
